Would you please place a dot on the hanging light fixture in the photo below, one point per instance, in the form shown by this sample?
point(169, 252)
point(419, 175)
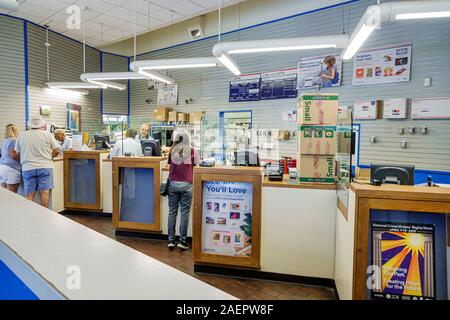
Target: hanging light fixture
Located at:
point(391, 11)
point(224, 50)
point(106, 78)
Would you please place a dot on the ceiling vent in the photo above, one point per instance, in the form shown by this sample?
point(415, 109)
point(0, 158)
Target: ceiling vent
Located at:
point(196, 31)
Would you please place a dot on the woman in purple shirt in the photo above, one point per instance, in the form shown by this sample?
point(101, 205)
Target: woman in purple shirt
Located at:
point(182, 159)
point(10, 172)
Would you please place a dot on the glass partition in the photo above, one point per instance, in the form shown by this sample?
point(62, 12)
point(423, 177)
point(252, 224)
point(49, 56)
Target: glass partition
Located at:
point(344, 155)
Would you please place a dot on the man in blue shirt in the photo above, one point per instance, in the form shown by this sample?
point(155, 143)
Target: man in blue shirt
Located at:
point(66, 143)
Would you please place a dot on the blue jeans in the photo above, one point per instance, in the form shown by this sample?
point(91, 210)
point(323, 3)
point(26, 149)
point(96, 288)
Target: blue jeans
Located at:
point(180, 195)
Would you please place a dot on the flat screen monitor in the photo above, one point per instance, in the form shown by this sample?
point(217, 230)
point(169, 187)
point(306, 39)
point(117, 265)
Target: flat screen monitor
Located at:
point(102, 142)
point(151, 148)
point(393, 174)
point(246, 158)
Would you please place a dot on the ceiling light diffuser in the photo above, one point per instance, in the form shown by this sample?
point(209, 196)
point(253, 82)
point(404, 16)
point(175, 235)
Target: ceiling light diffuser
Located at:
point(422, 15)
point(166, 64)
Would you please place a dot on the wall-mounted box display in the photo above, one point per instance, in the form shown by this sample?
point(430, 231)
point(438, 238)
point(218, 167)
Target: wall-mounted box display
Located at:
point(161, 114)
point(316, 168)
point(196, 117)
point(367, 110)
point(183, 117)
point(318, 109)
point(173, 116)
point(430, 108)
point(395, 108)
point(168, 95)
point(317, 140)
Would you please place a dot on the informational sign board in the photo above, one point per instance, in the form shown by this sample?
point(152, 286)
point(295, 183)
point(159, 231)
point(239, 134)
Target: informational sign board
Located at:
point(430, 108)
point(168, 95)
point(395, 108)
point(381, 66)
point(311, 73)
point(227, 218)
point(366, 110)
point(280, 84)
point(407, 256)
point(245, 88)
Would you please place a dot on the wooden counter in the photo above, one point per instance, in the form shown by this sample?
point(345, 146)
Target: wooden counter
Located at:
point(149, 218)
point(375, 211)
point(237, 208)
point(96, 157)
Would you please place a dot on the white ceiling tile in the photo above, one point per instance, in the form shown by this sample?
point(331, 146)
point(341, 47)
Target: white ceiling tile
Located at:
point(187, 8)
point(28, 8)
point(53, 5)
point(166, 15)
point(121, 13)
point(96, 5)
point(116, 2)
point(109, 21)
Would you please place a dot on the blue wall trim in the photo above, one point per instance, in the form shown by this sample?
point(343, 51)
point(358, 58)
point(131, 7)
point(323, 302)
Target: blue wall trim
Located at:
point(101, 91)
point(253, 26)
point(25, 49)
point(129, 93)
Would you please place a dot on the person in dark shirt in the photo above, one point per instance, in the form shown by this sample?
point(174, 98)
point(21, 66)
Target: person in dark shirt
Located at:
point(182, 159)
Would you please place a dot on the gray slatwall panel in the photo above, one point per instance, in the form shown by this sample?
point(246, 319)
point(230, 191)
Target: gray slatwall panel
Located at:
point(66, 64)
point(115, 101)
point(12, 74)
point(209, 87)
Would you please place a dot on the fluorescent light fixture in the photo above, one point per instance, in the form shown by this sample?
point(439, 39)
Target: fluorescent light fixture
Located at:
point(422, 15)
point(361, 36)
point(68, 92)
point(157, 76)
point(109, 84)
point(166, 64)
point(230, 64)
point(80, 87)
point(286, 48)
point(110, 76)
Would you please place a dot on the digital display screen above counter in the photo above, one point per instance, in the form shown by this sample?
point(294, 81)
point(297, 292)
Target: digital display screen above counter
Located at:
point(245, 88)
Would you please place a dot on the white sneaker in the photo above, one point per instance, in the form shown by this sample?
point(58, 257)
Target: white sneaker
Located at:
point(183, 246)
point(171, 245)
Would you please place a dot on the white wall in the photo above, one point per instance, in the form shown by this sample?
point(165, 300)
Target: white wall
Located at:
point(244, 14)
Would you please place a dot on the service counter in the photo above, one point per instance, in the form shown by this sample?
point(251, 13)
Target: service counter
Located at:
point(136, 195)
point(83, 189)
point(393, 243)
point(280, 230)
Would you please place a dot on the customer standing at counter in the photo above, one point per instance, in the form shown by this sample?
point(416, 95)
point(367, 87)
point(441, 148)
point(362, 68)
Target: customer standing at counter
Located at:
point(10, 172)
point(182, 159)
point(37, 147)
point(127, 146)
point(66, 143)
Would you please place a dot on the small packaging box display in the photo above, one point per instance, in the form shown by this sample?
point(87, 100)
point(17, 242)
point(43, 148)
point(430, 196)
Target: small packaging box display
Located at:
point(161, 114)
point(395, 108)
point(173, 116)
point(316, 169)
point(318, 109)
point(317, 140)
point(367, 110)
point(182, 117)
point(196, 117)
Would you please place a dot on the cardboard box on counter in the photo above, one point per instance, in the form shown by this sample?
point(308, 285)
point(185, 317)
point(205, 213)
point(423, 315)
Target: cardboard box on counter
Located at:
point(318, 109)
point(196, 117)
point(183, 117)
point(316, 169)
point(317, 140)
point(173, 116)
point(161, 114)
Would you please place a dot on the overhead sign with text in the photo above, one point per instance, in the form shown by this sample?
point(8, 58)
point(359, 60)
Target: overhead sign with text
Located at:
point(384, 65)
point(317, 72)
point(227, 218)
point(280, 84)
point(245, 88)
point(168, 95)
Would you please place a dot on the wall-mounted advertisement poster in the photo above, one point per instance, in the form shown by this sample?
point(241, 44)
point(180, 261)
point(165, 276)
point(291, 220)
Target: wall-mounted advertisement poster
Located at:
point(315, 72)
point(227, 218)
point(73, 121)
point(409, 253)
point(245, 88)
point(280, 84)
point(384, 65)
point(168, 95)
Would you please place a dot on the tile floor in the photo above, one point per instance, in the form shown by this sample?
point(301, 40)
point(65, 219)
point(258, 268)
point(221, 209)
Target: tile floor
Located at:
point(247, 289)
